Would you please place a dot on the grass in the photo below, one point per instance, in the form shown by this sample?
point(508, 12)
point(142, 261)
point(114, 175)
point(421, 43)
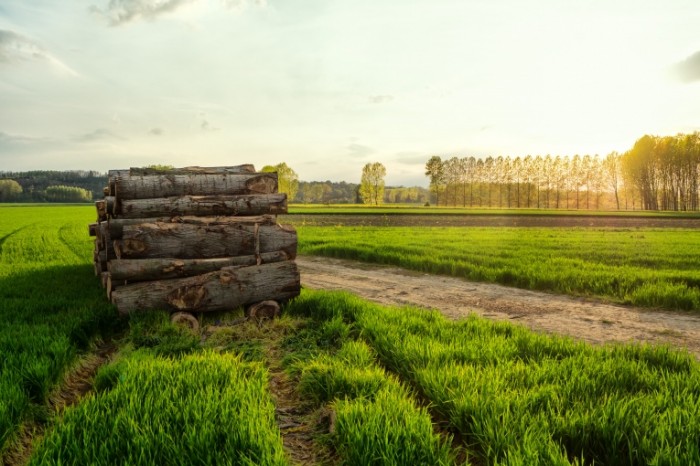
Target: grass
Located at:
point(644, 267)
point(51, 306)
point(500, 393)
point(377, 420)
point(517, 397)
point(204, 408)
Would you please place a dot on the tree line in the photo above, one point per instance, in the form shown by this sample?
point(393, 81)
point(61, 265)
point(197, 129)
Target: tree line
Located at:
point(51, 186)
point(658, 173)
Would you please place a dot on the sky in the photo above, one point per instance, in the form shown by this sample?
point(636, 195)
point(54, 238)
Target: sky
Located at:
point(327, 86)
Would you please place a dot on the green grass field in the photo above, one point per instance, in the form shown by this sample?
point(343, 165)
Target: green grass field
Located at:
point(404, 386)
point(51, 305)
point(645, 267)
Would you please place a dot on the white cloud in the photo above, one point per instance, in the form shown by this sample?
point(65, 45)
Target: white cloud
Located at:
point(119, 12)
point(16, 49)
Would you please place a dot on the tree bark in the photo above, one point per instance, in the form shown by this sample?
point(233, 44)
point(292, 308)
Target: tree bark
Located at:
point(228, 288)
point(194, 184)
point(185, 241)
point(116, 225)
point(136, 270)
point(245, 168)
point(101, 207)
point(204, 206)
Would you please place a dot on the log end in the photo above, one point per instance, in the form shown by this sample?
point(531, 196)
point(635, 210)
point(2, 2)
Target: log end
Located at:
point(264, 310)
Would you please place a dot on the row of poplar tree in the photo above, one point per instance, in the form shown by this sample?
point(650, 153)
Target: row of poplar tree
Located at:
point(657, 173)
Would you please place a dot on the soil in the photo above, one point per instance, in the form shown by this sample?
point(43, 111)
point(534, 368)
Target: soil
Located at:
point(586, 319)
point(471, 220)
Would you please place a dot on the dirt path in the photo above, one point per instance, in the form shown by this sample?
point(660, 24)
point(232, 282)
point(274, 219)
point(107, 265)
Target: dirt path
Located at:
point(584, 319)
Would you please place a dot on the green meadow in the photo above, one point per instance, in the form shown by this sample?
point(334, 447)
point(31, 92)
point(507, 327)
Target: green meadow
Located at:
point(641, 266)
point(374, 385)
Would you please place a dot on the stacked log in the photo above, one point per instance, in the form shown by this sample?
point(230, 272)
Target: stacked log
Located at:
point(194, 239)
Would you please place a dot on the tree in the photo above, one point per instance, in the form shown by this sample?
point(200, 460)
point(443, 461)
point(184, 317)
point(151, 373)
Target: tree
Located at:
point(435, 169)
point(62, 193)
point(372, 183)
point(611, 166)
point(287, 179)
point(9, 190)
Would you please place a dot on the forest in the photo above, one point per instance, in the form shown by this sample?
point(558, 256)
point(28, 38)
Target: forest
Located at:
point(657, 173)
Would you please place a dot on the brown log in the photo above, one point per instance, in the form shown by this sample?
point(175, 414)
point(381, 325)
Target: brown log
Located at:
point(116, 225)
point(228, 288)
point(136, 270)
point(105, 191)
point(104, 278)
point(110, 205)
point(246, 168)
point(102, 237)
point(101, 207)
point(112, 176)
point(154, 186)
point(112, 285)
point(92, 229)
point(186, 320)
point(204, 206)
point(185, 241)
point(265, 310)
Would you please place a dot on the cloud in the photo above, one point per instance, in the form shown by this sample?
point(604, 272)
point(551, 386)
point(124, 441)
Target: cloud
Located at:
point(16, 48)
point(359, 151)
point(380, 99)
point(243, 4)
point(119, 12)
point(99, 134)
point(411, 158)
point(688, 70)
point(156, 131)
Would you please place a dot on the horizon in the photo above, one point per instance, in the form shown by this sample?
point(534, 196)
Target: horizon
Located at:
point(327, 87)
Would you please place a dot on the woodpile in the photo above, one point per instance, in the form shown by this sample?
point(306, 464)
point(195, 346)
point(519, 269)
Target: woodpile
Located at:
point(194, 239)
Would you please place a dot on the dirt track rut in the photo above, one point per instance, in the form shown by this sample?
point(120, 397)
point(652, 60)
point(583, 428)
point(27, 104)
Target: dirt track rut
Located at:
point(585, 319)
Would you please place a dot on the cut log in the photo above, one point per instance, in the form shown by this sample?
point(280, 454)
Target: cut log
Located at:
point(112, 176)
point(110, 205)
point(204, 206)
point(112, 285)
point(265, 310)
point(226, 289)
point(246, 168)
point(92, 229)
point(101, 207)
point(186, 320)
point(137, 270)
point(186, 241)
point(168, 185)
point(116, 225)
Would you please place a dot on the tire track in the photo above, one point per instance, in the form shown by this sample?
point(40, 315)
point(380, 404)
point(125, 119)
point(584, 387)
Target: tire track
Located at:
point(584, 319)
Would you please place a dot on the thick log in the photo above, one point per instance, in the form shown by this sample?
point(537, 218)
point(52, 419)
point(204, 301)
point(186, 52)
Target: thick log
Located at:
point(116, 225)
point(101, 207)
point(167, 185)
point(112, 176)
point(92, 229)
point(226, 289)
point(137, 270)
point(112, 285)
point(110, 205)
point(246, 168)
point(204, 206)
point(185, 241)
